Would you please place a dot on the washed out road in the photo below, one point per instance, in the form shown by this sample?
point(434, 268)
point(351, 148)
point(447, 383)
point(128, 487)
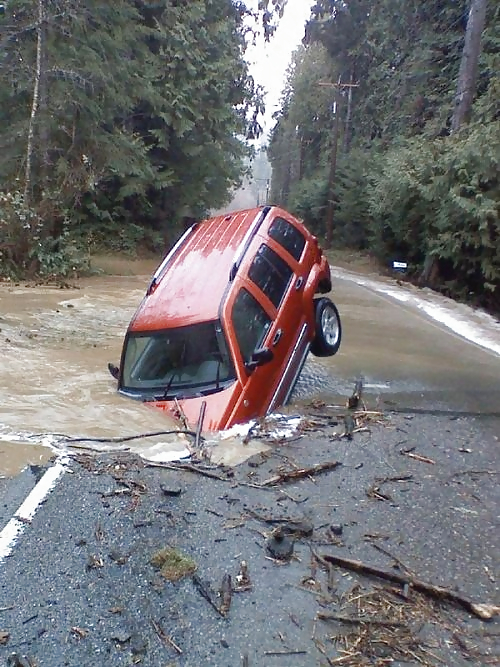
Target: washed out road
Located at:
point(417, 491)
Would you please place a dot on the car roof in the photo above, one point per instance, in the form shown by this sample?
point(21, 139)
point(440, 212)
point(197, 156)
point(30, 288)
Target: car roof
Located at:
point(190, 283)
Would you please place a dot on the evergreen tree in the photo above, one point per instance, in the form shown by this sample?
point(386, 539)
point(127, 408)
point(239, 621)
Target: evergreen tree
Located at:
point(123, 113)
point(403, 185)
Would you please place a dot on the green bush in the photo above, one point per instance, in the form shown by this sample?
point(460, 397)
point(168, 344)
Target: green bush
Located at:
point(441, 199)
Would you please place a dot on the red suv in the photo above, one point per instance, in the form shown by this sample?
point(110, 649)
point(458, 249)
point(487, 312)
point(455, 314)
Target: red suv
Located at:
point(228, 319)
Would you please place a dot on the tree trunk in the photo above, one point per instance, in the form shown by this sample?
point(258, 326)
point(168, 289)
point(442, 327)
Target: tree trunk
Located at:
point(467, 75)
point(30, 148)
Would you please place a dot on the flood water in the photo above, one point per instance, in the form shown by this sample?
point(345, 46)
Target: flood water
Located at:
point(56, 344)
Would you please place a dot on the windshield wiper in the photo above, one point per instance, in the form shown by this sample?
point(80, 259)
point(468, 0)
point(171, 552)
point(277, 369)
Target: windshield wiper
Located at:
point(164, 395)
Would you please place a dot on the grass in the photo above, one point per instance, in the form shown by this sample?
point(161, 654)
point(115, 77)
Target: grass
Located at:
point(173, 564)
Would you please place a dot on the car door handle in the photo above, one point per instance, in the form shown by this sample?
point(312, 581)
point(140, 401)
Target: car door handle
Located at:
point(299, 282)
point(277, 337)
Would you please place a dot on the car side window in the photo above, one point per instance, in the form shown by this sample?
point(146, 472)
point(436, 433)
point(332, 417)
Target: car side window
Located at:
point(288, 236)
point(271, 274)
point(251, 323)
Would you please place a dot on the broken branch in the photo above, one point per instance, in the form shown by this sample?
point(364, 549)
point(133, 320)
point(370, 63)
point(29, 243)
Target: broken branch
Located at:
point(481, 610)
point(300, 473)
point(325, 616)
point(288, 652)
point(226, 591)
point(164, 637)
point(417, 457)
point(204, 593)
point(190, 468)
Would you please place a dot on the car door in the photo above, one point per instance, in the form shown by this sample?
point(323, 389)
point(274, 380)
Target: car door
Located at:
point(267, 312)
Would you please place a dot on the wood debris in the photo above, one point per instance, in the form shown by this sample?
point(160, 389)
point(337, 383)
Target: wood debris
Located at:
point(166, 639)
point(79, 633)
point(350, 620)
point(226, 592)
point(300, 473)
point(481, 610)
point(375, 629)
point(375, 491)
point(417, 457)
point(205, 593)
point(243, 582)
point(286, 652)
point(94, 562)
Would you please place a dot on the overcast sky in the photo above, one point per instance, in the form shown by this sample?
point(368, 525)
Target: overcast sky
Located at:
point(269, 62)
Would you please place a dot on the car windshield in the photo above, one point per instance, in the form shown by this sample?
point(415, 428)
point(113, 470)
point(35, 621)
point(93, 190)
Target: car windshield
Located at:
point(177, 362)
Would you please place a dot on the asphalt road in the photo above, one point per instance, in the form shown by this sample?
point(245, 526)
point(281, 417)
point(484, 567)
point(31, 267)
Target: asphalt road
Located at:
point(79, 588)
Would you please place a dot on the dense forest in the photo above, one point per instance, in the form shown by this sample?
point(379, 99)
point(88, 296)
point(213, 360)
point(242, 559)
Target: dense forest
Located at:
point(389, 137)
point(121, 121)
point(118, 120)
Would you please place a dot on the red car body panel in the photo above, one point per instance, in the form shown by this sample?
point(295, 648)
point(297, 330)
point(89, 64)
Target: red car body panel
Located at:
point(199, 281)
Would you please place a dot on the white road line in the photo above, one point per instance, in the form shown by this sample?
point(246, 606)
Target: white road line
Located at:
point(28, 508)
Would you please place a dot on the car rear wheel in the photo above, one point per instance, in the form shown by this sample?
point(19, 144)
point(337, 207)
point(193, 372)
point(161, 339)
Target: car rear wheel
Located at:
point(328, 328)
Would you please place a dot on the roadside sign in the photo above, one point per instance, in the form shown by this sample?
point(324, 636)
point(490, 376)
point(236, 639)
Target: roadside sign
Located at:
point(400, 266)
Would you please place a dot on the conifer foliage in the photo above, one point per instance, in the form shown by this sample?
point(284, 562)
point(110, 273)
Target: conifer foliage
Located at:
point(119, 115)
point(417, 174)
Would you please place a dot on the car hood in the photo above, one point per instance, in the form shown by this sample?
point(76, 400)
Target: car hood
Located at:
point(215, 409)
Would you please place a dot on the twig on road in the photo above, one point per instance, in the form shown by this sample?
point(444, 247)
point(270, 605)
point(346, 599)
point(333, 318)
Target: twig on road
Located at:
point(483, 611)
point(164, 637)
point(190, 468)
point(205, 593)
point(418, 457)
point(300, 473)
point(286, 652)
point(349, 620)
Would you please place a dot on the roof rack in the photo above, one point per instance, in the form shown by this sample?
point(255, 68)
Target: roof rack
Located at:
point(160, 271)
point(240, 253)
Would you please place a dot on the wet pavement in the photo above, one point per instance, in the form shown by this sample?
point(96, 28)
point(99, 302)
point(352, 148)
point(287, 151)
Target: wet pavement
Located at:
point(412, 492)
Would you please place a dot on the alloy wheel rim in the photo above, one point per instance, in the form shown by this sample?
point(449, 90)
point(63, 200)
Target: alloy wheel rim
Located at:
point(329, 324)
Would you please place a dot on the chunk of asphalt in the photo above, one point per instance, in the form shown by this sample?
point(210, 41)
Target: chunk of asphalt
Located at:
point(337, 528)
point(170, 490)
point(279, 545)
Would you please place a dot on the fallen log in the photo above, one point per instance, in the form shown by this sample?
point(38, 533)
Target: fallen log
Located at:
point(300, 473)
point(483, 611)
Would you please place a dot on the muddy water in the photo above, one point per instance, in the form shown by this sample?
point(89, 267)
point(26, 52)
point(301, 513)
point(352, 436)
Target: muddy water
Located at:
point(55, 348)
point(404, 355)
point(56, 344)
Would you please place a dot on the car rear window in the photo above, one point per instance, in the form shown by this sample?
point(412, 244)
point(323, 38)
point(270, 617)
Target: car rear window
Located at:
point(251, 323)
point(288, 236)
point(271, 274)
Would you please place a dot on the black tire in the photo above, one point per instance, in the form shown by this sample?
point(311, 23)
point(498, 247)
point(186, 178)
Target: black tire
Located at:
point(328, 328)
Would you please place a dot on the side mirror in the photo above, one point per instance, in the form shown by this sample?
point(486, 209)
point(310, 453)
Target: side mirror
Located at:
point(260, 356)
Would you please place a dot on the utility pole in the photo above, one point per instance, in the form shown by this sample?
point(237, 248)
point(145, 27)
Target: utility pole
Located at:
point(333, 159)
